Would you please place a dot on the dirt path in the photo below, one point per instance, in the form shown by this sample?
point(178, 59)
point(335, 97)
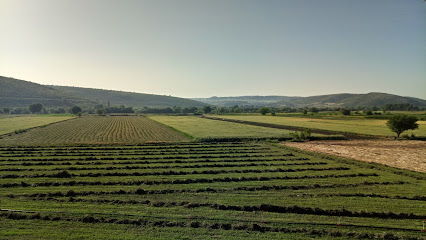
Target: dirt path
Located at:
point(401, 154)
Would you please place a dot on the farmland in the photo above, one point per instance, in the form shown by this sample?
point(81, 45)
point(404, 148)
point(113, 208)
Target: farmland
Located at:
point(200, 190)
point(95, 130)
point(206, 128)
point(11, 123)
point(401, 154)
point(359, 126)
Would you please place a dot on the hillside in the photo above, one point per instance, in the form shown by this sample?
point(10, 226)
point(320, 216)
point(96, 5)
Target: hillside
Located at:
point(354, 100)
point(136, 100)
point(19, 93)
point(332, 100)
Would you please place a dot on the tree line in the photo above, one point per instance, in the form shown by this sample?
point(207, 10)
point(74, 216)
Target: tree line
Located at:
point(104, 110)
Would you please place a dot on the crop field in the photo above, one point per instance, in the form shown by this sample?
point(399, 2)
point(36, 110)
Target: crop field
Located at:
point(203, 191)
point(360, 126)
point(205, 128)
point(17, 123)
point(93, 130)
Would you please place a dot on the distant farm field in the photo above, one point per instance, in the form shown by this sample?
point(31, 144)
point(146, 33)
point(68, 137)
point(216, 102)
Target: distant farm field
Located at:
point(94, 130)
point(360, 126)
point(205, 128)
point(406, 154)
point(16, 123)
point(203, 191)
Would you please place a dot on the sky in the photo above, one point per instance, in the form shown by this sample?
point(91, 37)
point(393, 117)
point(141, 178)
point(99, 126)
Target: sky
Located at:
point(204, 48)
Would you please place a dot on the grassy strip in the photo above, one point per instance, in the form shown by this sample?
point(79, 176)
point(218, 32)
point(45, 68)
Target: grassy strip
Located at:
point(139, 191)
point(92, 158)
point(139, 153)
point(65, 174)
point(144, 146)
point(181, 181)
point(163, 167)
point(294, 128)
point(155, 162)
point(207, 223)
point(15, 132)
point(362, 195)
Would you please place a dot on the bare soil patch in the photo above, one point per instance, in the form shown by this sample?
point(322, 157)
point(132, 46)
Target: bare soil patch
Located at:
point(401, 154)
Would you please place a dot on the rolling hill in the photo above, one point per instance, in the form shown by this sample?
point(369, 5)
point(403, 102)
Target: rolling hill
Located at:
point(20, 93)
point(137, 100)
point(332, 100)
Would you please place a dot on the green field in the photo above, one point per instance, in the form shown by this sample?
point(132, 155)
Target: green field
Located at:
point(360, 126)
point(203, 191)
point(95, 130)
point(9, 124)
point(206, 128)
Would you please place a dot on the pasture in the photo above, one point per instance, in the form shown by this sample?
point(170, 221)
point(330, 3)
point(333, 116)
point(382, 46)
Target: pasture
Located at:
point(95, 130)
point(204, 191)
point(198, 128)
point(359, 126)
point(12, 123)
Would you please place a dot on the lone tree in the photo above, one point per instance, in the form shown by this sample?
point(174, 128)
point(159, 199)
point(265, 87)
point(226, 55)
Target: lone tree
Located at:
point(76, 110)
point(345, 111)
point(207, 109)
point(100, 112)
point(314, 110)
point(264, 110)
point(35, 108)
point(400, 122)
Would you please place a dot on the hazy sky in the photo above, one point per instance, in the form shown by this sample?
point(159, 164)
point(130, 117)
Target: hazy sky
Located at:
point(200, 48)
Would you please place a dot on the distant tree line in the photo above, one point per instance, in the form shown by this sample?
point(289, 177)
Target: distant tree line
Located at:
point(400, 107)
point(100, 109)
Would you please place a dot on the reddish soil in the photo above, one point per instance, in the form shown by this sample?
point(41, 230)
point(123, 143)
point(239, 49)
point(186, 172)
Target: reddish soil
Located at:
point(401, 154)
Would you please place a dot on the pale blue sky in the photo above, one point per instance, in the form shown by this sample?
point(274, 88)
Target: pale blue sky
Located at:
point(203, 48)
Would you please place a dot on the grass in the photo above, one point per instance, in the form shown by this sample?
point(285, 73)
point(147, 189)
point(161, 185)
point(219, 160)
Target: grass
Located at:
point(17, 123)
point(360, 126)
point(203, 203)
point(89, 130)
point(205, 128)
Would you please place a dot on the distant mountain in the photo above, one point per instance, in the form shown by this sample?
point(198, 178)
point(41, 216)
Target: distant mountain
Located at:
point(137, 100)
point(332, 100)
point(19, 93)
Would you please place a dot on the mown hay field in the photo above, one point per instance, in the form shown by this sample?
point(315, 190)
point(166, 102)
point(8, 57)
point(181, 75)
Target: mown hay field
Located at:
point(204, 191)
point(360, 126)
point(407, 154)
point(95, 130)
point(16, 123)
point(198, 127)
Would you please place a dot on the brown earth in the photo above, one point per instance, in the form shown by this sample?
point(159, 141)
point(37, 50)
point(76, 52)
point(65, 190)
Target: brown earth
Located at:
point(401, 154)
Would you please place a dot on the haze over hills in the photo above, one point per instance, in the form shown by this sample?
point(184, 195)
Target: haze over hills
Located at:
point(332, 100)
point(132, 99)
point(20, 93)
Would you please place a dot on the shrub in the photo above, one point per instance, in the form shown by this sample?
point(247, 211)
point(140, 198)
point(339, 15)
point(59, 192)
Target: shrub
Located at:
point(301, 136)
point(345, 111)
